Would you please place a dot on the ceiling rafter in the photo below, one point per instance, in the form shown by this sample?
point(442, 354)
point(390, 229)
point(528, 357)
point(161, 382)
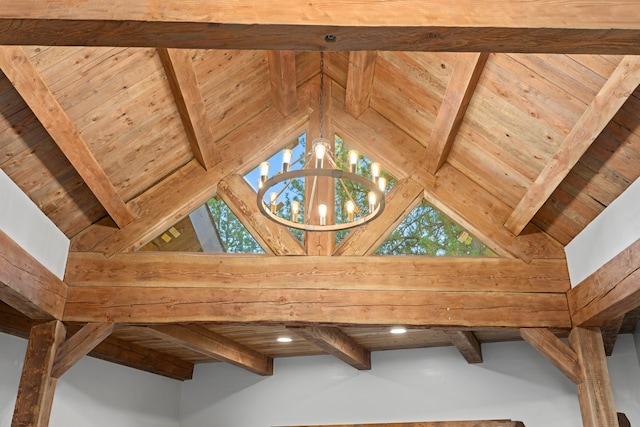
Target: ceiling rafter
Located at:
point(79, 345)
point(467, 344)
point(362, 66)
point(209, 343)
point(337, 343)
point(466, 74)
point(32, 88)
point(186, 92)
point(612, 96)
point(282, 77)
point(241, 199)
point(436, 26)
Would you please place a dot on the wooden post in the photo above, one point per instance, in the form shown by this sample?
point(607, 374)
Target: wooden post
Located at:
point(37, 386)
point(594, 392)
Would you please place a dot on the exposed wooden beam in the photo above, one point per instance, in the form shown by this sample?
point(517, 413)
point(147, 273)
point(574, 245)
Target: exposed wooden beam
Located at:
point(79, 345)
point(184, 86)
point(204, 341)
point(594, 392)
point(555, 351)
point(37, 386)
point(438, 25)
point(610, 331)
point(25, 78)
point(477, 423)
point(191, 186)
point(608, 293)
point(613, 94)
point(282, 76)
point(241, 199)
point(467, 344)
point(362, 65)
point(27, 285)
point(420, 291)
point(466, 73)
point(337, 343)
point(400, 201)
point(623, 421)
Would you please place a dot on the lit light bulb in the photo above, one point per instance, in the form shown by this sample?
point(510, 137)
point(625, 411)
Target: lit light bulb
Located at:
point(319, 150)
point(375, 171)
point(322, 211)
point(286, 159)
point(351, 207)
point(273, 196)
point(353, 161)
point(295, 210)
point(264, 171)
point(382, 183)
point(372, 201)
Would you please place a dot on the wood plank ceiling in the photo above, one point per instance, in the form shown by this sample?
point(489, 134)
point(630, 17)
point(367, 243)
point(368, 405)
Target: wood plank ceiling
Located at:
point(116, 134)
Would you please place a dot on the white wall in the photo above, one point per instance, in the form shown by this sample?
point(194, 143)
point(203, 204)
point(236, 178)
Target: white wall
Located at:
point(94, 393)
point(514, 382)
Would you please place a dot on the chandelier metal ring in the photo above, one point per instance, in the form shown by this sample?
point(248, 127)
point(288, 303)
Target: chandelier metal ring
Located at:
point(314, 172)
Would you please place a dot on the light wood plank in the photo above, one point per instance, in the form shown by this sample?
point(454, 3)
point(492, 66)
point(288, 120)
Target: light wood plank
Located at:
point(409, 25)
point(608, 293)
point(282, 76)
point(202, 340)
point(594, 392)
point(37, 386)
point(79, 345)
point(467, 344)
point(620, 86)
point(400, 201)
point(25, 78)
point(555, 351)
point(337, 343)
point(27, 285)
point(465, 77)
point(184, 86)
point(241, 199)
point(362, 65)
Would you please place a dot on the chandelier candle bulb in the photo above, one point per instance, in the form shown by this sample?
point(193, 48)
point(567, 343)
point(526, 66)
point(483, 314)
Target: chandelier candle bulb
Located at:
point(372, 201)
point(322, 211)
point(353, 161)
point(295, 210)
point(264, 171)
point(382, 183)
point(319, 150)
point(351, 207)
point(375, 171)
point(273, 196)
point(286, 159)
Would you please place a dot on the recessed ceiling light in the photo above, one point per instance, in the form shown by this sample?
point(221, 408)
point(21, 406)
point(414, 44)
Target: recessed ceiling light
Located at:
point(284, 339)
point(398, 330)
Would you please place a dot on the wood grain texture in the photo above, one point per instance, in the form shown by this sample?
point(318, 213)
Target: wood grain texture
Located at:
point(282, 76)
point(406, 25)
point(337, 343)
point(359, 81)
point(467, 344)
point(27, 285)
point(37, 386)
point(555, 351)
point(18, 68)
point(79, 345)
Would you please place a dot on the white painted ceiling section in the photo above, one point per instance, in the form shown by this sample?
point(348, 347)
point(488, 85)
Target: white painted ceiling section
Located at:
point(25, 224)
point(614, 230)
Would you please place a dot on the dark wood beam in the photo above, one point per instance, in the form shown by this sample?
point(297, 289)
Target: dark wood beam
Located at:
point(610, 331)
point(555, 351)
point(25, 78)
point(37, 386)
point(282, 77)
point(337, 343)
point(79, 345)
point(466, 73)
point(611, 97)
point(467, 344)
point(204, 341)
point(362, 65)
point(27, 285)
point(438, 25)
point(184, 86)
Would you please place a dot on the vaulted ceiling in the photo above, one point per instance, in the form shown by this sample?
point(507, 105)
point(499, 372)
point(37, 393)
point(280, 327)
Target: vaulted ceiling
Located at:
point(520, 123)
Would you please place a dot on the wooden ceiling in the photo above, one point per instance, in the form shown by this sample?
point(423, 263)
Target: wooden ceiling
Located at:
point(118, 122)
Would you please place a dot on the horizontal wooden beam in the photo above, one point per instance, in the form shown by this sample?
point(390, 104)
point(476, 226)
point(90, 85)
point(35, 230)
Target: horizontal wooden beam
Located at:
point(204, 341)
point(438, 25)
point(610, 292)
point(27, 285)
point(36, 94)
point(555, 351)
point(467, 344)
point(337, 343)
point(79, 345)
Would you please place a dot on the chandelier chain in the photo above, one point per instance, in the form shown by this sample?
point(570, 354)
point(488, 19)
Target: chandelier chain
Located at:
point(321, 94)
